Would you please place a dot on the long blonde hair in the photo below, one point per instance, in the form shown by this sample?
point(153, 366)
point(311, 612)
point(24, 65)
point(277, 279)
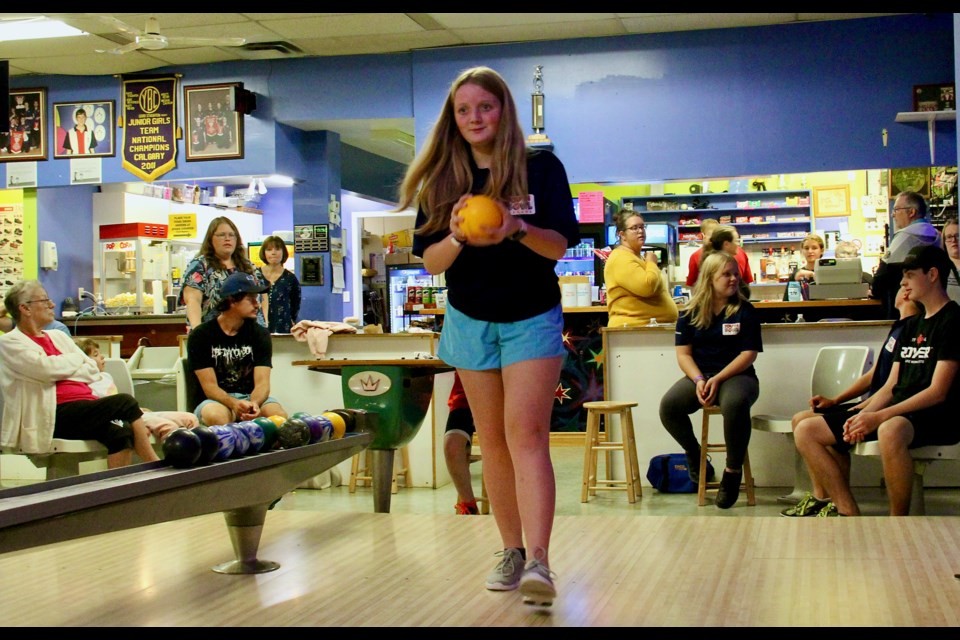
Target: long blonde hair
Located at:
point(700, 306)
point(441, 173)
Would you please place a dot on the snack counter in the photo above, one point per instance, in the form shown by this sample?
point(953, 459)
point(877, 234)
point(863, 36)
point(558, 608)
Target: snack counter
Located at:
point(163, 330)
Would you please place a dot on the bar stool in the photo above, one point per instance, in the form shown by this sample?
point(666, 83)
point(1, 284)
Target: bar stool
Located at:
point(707, 447)
point(475, 456)
point(362, 475)
point(627, 444)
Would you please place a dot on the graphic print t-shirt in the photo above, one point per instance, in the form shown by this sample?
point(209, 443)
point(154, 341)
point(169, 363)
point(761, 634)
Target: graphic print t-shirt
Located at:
point(233, 358)
point(923, 343)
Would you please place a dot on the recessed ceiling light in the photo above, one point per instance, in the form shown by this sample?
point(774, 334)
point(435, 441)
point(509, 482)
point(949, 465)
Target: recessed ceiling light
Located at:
point(35, 28)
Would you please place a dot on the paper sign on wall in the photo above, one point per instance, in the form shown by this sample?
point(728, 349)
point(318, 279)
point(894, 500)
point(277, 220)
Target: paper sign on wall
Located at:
point(591, 206)
point(182, 225)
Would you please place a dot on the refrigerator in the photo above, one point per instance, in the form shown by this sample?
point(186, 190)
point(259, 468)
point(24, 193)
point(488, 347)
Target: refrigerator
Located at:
point(400, 277)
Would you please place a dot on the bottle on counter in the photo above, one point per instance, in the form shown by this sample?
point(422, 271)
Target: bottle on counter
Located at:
point(770, 268)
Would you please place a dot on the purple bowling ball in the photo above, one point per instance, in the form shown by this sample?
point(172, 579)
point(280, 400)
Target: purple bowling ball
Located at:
point(227, 440)
point(243, 442)
point(255, 435)
point(316, 428)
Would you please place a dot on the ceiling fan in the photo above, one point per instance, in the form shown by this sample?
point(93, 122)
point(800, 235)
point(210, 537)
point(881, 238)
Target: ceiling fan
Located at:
point(152, 40)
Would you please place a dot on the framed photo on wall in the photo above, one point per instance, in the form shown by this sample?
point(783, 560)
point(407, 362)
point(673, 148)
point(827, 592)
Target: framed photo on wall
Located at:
point(831, 201)
point(84, 129)
point(215, 126)
point(28, 119)
point(910, 179)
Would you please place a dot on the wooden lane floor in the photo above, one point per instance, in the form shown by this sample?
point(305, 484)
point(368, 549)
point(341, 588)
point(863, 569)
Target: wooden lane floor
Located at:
point(382, 570)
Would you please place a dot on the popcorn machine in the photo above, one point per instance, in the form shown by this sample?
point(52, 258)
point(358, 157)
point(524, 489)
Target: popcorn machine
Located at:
point(134, 268)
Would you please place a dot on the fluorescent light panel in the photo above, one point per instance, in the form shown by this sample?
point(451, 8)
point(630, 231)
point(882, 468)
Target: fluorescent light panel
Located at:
point(35, 28)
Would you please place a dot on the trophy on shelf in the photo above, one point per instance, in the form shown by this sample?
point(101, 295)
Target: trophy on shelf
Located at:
point(538, 138)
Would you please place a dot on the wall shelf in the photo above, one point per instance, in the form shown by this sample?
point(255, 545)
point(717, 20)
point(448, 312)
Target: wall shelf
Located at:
point(930, 117)
point(784, 215)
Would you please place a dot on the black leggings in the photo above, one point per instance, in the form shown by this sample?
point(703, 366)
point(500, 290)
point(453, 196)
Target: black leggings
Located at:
point(735, 397)
point(95, 420)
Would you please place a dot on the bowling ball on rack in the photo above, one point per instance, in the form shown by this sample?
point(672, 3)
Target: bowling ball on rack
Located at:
point(300, 414)
point(182, 448)
point(294, 433)
point(478, 212)
point(226, 441)
point(208, 442)
point(348, 418)
point(339, 424)
point(277, 420)
point(269, 433)
point(242, 447)
point(325, 426)
point(315, 426)
point(254, 434)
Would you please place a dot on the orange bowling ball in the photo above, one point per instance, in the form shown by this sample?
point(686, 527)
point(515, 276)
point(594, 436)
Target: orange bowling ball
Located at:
point(478, 212)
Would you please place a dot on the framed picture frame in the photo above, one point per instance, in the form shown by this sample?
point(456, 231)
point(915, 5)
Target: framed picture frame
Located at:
point(910, 179)
point(84, 129)
point(215, 126)
point(831, 201)
point(27, 139)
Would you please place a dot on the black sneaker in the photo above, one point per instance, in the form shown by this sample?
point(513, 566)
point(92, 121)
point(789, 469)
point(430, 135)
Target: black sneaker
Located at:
point(729, 489)
point(693, 467)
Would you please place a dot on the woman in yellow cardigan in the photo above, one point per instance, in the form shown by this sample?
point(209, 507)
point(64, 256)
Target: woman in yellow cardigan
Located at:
point(636, 290)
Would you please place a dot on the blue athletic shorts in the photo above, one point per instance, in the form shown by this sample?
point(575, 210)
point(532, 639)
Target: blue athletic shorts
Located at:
point(478, 345)
point(238, 396)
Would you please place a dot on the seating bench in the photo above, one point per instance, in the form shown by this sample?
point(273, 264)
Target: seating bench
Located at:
point(922, 456)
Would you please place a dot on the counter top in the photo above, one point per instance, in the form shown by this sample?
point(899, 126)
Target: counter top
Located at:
point(163, 318)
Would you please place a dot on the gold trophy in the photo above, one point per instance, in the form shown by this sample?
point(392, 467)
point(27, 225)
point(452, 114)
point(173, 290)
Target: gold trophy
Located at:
point(538, 138)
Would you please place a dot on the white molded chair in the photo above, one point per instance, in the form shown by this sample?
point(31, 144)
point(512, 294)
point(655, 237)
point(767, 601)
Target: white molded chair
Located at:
point(834, 370)
point(118, 369)
point(922, 456)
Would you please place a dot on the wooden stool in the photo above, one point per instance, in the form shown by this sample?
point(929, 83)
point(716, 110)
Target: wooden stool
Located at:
point(483, 502)
point(707, 447)
point(363, 475)
point(627, 444)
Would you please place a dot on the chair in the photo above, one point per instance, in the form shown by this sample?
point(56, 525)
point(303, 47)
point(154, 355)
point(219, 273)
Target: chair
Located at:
point(476, 456)
point(834, 370)
point(706, 448)
point(922, 457)
point(120, 372)
point(362, 474)
point(627, 444)
point(189, 391)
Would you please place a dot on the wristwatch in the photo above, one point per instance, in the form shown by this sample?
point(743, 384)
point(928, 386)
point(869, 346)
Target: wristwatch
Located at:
point(520, 233)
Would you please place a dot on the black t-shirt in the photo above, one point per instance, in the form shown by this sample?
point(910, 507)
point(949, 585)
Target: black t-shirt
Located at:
point(887, 354)
point(726, 338)
point(508, 282)
point(232, 357)
point(923, 343)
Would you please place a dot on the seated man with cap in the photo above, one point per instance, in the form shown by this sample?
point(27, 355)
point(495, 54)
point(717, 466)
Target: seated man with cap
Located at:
point(918, 404)
point(231, 356)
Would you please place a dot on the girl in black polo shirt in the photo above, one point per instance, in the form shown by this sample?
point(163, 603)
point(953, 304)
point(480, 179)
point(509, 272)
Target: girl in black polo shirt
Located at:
point(718, 339)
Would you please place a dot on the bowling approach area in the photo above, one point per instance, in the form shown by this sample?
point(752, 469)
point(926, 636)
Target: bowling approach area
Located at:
point(416, 570)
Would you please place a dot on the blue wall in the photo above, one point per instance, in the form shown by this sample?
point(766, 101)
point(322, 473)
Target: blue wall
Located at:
point(698, 104)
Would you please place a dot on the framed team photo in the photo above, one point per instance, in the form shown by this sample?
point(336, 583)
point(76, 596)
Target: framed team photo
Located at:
point(84, 129)
point(28, 119)
point(215, 126)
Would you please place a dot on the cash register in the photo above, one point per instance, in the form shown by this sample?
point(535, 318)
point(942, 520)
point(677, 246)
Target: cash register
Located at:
point(838, 278)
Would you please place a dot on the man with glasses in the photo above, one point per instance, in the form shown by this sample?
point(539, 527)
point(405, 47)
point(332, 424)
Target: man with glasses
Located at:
point(232, 357)
point(912, 229)
point(46, 379)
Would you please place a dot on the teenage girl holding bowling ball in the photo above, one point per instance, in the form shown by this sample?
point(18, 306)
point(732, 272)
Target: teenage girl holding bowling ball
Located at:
point(508, 355)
